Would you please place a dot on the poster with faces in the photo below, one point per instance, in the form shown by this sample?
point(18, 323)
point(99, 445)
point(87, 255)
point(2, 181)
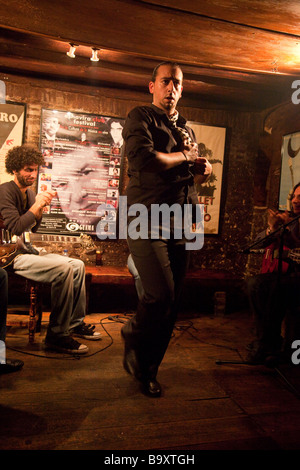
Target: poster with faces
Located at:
point(290, 169)
point(83, 163)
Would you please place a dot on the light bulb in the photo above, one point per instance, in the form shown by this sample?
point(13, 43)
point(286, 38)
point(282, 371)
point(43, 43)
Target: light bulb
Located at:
point(94, 57)
point(71, 51)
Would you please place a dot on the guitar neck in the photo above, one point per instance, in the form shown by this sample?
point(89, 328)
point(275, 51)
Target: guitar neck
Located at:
point(6, 237)
point(38, 237)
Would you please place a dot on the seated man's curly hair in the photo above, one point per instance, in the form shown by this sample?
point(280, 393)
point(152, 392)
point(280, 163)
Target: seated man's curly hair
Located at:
point(21, 156)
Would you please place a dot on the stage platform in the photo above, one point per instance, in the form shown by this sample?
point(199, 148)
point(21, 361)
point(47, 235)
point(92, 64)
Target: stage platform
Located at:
point(58, 402)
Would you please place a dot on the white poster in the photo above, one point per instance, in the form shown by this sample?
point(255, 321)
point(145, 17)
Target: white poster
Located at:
point(12, 117)
point(211, 143)
point(290, 168)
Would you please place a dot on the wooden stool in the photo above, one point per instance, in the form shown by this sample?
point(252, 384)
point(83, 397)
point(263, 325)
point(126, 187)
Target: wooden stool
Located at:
point(34, 289)
point(35, 308)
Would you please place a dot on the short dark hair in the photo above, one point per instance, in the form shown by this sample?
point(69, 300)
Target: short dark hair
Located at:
point(20, 156)
point(174, 65)
point(111, 120)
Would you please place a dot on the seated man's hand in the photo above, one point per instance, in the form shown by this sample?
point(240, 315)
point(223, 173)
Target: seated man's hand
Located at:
point(44, 198)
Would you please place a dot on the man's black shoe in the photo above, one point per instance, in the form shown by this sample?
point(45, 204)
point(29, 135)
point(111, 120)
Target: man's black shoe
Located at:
point(11, 365)
point(65, 344)
point(152, 388)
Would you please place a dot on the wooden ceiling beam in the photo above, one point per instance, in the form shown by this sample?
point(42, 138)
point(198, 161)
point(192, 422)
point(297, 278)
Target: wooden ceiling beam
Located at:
point(155, 32)
point(240, 54)
point(29, 46)
point(280, 16)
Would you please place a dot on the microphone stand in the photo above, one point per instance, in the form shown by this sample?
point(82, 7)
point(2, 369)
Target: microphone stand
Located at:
point(282, 230)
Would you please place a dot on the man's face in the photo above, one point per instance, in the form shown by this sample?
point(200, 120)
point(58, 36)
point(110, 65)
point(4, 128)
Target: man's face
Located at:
point(78, 190)
point(167, 88)
point(26, 176)
point(51, 126)
point(116, 131)
point(296, 201)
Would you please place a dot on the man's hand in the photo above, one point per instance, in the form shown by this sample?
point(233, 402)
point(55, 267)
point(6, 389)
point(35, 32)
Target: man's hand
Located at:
point(42, 199)
point(202, 170)
point(202, 167)
point(191, 152)
point(275, 219)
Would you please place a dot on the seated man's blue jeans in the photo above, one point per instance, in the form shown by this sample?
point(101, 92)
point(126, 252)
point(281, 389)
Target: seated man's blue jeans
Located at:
point(68, 296)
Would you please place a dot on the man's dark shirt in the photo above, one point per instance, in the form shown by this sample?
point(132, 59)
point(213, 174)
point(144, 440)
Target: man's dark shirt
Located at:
point(148, 130)
point(15, 216)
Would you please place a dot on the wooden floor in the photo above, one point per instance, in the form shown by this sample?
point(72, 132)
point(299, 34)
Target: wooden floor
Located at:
point(61, 403)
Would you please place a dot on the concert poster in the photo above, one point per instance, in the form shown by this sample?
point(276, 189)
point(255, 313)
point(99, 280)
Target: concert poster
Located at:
point(83, 165)
point(211, 145)
point(290, 168)
point(12, 122)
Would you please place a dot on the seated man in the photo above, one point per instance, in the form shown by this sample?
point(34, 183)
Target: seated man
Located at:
point(6, 365)
point(21, 210)
point(271, 295)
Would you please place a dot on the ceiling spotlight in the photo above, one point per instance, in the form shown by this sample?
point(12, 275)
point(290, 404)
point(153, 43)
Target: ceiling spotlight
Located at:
point(71, 51)
point(95, 57)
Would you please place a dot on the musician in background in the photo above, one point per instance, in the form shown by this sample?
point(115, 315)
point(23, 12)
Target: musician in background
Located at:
point(22, 211)
point(272, 295)
point(6, 365)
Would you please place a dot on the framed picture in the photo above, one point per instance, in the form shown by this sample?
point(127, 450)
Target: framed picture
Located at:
point(83, 165)
point(2, 92)
point(290, 168)
point(211, 143)
point(12, 125)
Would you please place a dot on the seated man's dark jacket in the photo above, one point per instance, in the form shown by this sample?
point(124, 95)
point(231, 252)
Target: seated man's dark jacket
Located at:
point(16, 217)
